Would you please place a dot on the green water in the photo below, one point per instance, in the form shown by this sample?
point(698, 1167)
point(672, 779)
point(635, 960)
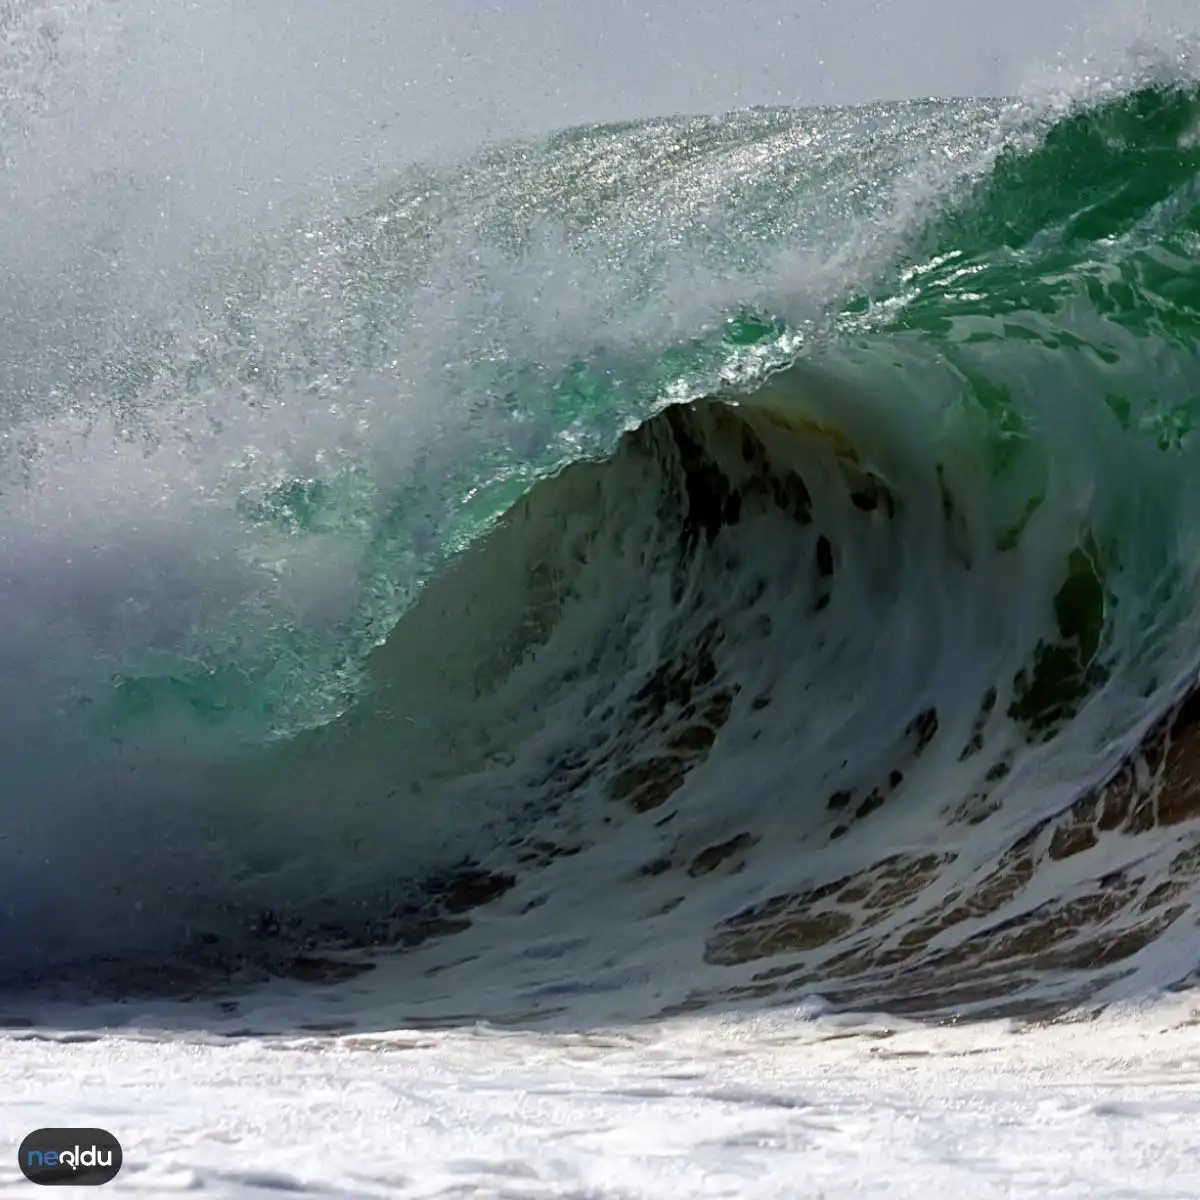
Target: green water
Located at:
point(1028, 277)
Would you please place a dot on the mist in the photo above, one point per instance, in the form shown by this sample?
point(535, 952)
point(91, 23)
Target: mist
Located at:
point(134, 133)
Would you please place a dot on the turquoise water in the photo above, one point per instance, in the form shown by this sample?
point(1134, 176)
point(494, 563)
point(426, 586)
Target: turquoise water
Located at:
point(1062, 267)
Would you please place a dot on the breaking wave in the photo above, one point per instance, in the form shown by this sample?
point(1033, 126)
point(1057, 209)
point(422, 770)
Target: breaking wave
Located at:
point(684, 562)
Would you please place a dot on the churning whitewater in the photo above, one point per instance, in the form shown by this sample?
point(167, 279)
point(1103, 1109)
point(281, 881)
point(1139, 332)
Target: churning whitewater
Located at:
point(661, 566)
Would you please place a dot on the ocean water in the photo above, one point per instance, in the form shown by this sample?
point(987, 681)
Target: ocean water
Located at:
point(648, 573)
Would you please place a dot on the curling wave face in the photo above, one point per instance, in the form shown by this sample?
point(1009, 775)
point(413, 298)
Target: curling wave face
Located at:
point(677, 563)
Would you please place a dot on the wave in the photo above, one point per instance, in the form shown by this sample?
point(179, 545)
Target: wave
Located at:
point(796, 557)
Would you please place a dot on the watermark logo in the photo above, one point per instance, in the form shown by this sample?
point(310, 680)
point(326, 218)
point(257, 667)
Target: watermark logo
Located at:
point(70, 1157)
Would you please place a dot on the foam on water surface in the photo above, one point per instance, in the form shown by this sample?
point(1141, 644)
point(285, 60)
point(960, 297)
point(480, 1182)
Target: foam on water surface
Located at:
point(792, 1104)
